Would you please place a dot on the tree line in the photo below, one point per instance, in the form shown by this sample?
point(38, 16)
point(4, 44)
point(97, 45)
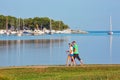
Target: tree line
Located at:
point(30, 23)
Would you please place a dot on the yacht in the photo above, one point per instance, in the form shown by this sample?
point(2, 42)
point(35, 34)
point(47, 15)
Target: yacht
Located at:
point(37, 32)
point(110, 33)
point(2, 31)
point(19, 33)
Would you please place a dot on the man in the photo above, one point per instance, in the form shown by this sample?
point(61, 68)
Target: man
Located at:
point(76, 53)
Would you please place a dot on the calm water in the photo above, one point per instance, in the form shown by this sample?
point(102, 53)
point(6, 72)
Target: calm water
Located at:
point(50, 49)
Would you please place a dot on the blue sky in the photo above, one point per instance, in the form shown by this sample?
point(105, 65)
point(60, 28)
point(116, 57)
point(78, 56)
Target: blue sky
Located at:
point(78, 14)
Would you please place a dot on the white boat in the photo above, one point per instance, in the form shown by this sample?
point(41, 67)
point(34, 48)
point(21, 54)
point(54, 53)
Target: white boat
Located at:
point(7, 33)
point(2, 31)
point(13, 32)
point(19, 33)
point(37, 32)
point(27, 32)
point(110, 32)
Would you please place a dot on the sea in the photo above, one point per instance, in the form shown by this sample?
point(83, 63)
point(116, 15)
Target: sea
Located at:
point(94, 48)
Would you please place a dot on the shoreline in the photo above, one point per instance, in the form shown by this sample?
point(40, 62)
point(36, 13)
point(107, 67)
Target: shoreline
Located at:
point(47, 66)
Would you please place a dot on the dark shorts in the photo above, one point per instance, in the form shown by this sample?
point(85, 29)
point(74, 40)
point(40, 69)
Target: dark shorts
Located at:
point(77, 56)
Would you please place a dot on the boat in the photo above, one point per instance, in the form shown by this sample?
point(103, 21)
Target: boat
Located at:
point(110, 32)
point(19, 33)
point(2, 31)
point(13, 32)
point(37, 32)
point(27, 32)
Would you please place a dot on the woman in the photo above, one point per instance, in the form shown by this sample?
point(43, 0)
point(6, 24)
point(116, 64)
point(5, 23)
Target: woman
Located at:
point(70, 58)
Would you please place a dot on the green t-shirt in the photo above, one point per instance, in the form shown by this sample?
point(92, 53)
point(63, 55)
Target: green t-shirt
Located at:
point(75, 49)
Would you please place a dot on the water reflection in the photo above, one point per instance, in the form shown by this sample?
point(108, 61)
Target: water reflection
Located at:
point(43, 42)
point(20, 45)
point(111, 38)
point(28, 52)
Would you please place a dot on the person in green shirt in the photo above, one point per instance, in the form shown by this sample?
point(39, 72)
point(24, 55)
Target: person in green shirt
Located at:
point(76, 53)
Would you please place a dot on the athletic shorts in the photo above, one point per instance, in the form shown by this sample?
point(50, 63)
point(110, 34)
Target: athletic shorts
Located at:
point(71, 55)
point(77, 56)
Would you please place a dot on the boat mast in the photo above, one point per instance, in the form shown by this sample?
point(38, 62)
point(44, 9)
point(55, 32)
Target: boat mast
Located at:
point(23, 24)
point(6, 24)
point(50, 27)
point(19, 23)
point(59, 25)
point(110, 24)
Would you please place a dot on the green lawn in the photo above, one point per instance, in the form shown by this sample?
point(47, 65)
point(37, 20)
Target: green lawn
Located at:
point(86, 72)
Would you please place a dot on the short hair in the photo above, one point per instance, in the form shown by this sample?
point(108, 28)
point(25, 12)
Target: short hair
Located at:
point(73, 42)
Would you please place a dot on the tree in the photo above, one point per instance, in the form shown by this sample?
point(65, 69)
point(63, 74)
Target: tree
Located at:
point(30, 23)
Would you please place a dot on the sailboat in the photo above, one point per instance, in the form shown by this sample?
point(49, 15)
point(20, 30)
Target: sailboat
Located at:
point(37, 31)
point(110, 32)
point(111, 38)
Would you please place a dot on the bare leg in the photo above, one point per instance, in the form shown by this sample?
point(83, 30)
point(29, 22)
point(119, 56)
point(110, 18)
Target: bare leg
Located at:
point(68, 58)
point(73, 60)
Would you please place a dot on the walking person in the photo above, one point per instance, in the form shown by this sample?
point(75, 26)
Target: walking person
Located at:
point(70, 57)
point(76, 53)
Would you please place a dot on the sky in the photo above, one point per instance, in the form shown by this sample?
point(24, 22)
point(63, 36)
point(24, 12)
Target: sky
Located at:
point(77, 14)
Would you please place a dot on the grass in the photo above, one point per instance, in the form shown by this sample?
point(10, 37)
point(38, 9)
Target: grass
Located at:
point(86, 72)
